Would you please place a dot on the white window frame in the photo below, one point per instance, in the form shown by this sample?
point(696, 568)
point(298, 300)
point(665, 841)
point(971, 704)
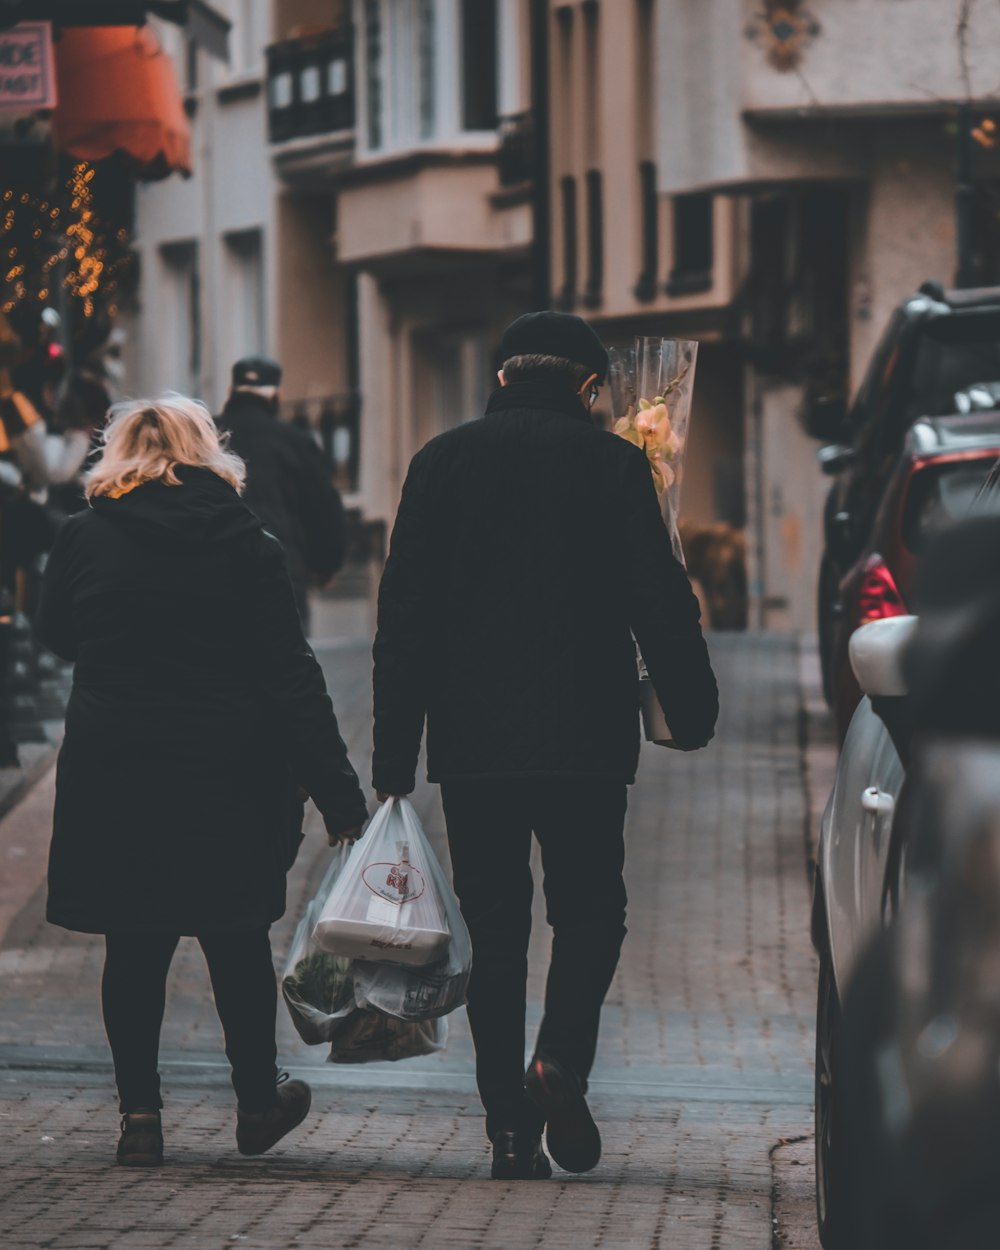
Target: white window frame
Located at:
point(401, 128)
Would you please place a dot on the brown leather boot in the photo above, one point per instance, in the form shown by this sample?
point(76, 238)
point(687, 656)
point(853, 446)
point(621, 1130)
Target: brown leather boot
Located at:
point(258, 1131)
point(141, 1142)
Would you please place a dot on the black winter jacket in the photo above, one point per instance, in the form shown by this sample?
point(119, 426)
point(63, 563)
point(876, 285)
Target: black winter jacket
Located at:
point(197, 711)
point(527, 550)
point(289, 486)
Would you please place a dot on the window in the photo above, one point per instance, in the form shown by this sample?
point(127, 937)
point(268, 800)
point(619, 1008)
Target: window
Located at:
point(373, 71)
point(952, 354)
point(190, 66)
point(591, 83)
point(694, 245)
point(595, 239)
point(567, 187)
point(479, 65)
point(182, 320)
point(426, 60)
point(649, 209)
point(245, 294)
point(245, 40)
point(649, 233)
point(402, 72)
point(563, 92)
point(431, 70)
point(645, 67)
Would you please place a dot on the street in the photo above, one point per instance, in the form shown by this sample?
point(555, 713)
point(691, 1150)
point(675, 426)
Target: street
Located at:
point(704, 1066)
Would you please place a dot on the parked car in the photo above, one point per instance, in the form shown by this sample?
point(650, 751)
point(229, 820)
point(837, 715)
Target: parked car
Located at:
point(935, 482)
point(932, 677)
point(937, 344)
point(918, 1064)
point(853, 884)
point(908, 1079)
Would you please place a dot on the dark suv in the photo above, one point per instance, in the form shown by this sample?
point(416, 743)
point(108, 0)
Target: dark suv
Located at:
point(938, 355)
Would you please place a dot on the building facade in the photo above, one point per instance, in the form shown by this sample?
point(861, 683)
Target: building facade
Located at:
point(770, 178)
point(206, 244)
point(348, 215)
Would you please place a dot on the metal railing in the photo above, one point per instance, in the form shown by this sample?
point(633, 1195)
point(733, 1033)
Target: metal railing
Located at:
point(310, 85)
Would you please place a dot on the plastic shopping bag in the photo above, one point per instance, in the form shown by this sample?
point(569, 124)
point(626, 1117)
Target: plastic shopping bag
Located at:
point(318, 988)
point(426, 991)
point(319, 992)
point(387, 905)
point(367, 1036)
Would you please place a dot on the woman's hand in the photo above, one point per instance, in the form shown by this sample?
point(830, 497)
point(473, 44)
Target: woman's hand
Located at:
point(350, 836)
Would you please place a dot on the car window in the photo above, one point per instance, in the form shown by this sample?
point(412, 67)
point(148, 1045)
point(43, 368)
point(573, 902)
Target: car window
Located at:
point(941, 494)
point(945, 365)
point(878, 376)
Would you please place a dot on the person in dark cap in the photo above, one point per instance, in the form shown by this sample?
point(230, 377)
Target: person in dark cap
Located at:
point(528, 549)
point(289, 480)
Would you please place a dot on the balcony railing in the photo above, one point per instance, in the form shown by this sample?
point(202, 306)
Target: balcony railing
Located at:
point(334, 421)
point(310, 85)
point(517, 149)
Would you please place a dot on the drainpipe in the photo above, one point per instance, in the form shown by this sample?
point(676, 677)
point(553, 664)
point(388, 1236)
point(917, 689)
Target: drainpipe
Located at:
point(965, 201)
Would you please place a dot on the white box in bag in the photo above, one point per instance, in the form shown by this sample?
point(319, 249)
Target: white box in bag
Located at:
point(386, 906)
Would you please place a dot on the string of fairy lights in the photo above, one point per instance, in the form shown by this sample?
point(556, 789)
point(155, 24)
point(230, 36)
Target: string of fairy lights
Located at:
point(44, 242)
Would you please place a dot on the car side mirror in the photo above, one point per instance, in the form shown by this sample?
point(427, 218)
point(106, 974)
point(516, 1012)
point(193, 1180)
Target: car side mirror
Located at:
point(834, 458)
point(876, 652)
point(825, 418)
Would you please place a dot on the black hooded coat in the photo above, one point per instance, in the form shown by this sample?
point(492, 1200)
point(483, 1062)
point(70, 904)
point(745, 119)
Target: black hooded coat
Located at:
point(290, 487)
point(197, 711)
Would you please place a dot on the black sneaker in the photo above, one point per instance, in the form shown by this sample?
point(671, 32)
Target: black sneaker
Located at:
point(141, 1142)
point(258, 1131)
point(519, 1157)
point(571, 1135)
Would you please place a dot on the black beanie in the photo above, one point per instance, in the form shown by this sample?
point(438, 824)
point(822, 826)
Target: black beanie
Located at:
point(556, 334)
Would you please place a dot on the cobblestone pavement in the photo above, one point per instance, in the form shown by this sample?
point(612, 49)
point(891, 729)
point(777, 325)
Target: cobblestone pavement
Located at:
point(705, 1062)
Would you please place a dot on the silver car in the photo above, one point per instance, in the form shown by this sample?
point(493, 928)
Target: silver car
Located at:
point(858, 875)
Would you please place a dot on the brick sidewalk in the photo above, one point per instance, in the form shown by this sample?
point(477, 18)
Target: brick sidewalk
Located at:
point(704, 1064)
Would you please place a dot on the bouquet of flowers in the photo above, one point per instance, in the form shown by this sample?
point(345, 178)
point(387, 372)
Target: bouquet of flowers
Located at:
point(651, 387)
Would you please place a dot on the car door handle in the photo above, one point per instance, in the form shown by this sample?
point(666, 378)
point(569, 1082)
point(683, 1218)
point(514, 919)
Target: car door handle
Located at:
point(879, 804)
point(880, 807)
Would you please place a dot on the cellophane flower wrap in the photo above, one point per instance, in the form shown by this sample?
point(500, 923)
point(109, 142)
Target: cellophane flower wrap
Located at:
point(652, 383)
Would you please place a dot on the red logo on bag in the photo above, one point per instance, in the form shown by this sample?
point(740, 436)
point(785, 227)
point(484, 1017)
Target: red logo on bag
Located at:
point(396, 883)
point(398, 879)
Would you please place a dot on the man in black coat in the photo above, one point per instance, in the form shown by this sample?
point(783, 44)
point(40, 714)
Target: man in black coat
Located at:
point(289, 481)
point(528, 550)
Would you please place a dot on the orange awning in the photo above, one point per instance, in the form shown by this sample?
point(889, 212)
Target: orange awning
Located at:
point(118, 93)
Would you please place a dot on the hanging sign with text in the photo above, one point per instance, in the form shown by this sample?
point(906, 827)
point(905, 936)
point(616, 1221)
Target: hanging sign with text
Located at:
point(27, 67)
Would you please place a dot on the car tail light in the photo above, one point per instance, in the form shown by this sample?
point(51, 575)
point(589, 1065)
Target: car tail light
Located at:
point(879, 596)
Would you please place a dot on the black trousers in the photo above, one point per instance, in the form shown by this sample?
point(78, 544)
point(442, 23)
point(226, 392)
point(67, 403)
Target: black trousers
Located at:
point(133, 994)
point(579, 824)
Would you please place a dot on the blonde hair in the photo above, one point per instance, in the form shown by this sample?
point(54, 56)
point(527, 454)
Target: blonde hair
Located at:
point(147, 440)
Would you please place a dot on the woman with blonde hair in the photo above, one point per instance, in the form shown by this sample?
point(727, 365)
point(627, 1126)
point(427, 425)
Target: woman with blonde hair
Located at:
point(198, 712)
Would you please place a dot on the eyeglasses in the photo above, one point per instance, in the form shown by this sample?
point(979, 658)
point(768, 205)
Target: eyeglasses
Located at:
point(589, 392)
